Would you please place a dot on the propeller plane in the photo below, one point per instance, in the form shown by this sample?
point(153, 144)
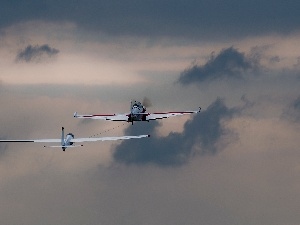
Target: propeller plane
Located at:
point(137, 113)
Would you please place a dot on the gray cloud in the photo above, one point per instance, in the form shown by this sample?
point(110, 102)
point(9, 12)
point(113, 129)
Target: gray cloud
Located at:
point(203, 131)
point(3, 147)
point(193, 19)
point(229, 63)
point(296, 104)
point(275, 59)
point(36, 53)
point(297, 65)
point(292, 112)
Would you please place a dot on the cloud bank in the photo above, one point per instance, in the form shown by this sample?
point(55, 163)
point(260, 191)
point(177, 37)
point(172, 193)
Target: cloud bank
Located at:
point(193, 19)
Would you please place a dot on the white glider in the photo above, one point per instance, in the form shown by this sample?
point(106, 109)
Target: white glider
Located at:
point(69, 140)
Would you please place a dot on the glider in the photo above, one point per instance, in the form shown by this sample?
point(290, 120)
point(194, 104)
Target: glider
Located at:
point(69, 140)
point(137, 113)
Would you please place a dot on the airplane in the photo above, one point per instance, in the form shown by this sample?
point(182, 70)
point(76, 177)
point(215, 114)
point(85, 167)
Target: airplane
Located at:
point(137, 113)
point(69, 141)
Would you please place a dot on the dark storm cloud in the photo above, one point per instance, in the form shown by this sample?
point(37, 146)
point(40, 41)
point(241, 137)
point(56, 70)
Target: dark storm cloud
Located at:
point(36, 53)
point(229, 63)
point(193, 19)
point(199, 136)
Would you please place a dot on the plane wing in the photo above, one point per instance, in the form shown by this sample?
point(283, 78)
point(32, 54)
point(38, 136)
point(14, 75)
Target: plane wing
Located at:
point(37, 140)
point(125, 117)
point(155, 116)
point(108, 138)
point(79, 139)
point(112, 117)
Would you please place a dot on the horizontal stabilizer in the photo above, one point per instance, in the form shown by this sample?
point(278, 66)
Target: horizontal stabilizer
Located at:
point(61, 146)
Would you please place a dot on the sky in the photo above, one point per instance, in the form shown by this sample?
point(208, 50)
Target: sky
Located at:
point(236, 162)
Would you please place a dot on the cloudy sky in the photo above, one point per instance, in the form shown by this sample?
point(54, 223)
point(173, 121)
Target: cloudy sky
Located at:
point(236, 162)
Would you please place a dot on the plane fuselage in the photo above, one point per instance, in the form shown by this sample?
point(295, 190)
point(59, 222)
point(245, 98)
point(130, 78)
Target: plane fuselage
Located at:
point(137, 112)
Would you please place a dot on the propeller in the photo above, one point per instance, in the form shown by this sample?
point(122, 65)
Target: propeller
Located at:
point(146, 102)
